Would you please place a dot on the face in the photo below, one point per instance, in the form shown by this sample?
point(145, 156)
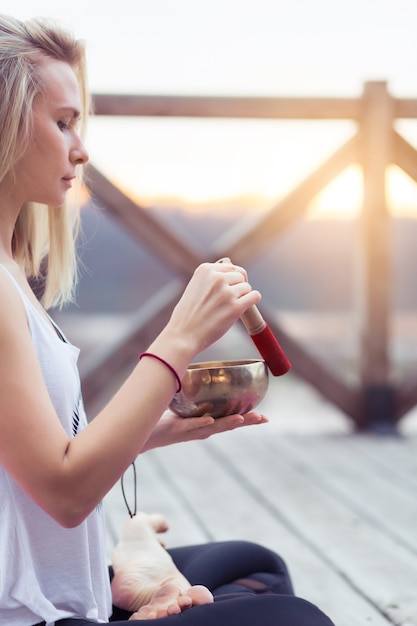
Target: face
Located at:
point(47, 169)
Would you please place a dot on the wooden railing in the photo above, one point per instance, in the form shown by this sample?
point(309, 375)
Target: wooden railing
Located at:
point(376, 401)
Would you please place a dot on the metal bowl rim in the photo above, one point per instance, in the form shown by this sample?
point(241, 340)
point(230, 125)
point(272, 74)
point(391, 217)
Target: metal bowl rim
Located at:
point(215, 365)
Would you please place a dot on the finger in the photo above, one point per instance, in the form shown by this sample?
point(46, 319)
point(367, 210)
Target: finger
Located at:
point(240, 289)
point(195, 423)
point(236, 278)
point(229, 422)
point(222, 425)
point(206, 426)
point(227, 266)
point(253, 417)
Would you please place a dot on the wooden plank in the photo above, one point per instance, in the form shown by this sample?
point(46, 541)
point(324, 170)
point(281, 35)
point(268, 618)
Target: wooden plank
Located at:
point(226, 107)
point(231, 508)
point(373, 491)
point(361, 552)
point(394, 457)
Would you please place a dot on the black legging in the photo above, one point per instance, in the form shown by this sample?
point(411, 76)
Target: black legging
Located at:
point(250, 584)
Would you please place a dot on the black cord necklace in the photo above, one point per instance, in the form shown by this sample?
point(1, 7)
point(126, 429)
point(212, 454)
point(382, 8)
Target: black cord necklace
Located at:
point(135, 501)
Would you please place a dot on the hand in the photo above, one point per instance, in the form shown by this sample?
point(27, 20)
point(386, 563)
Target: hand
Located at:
point(174, 429)
point(214, 299)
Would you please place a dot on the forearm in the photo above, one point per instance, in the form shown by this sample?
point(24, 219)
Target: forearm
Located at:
point(98, 456)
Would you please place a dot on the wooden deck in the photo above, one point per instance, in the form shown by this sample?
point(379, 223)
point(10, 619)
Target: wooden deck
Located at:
point(340, 507)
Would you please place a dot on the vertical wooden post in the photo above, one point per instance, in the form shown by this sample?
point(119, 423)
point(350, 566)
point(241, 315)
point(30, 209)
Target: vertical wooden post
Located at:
point(374, 306)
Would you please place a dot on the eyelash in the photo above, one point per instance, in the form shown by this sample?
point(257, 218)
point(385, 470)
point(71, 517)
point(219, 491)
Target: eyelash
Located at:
point(63, 125)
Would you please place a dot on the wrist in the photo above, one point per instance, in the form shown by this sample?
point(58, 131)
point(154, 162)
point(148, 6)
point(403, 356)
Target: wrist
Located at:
point(173, 371)
point(174, 349)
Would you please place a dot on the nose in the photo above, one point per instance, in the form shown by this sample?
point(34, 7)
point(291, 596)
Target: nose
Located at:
point(79, 154)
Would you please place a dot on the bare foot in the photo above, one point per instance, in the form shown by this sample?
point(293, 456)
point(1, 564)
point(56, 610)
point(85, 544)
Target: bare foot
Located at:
point(145, 576)
point(170, 600)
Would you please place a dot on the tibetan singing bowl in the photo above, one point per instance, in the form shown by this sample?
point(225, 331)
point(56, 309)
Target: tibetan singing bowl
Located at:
point(220, 388)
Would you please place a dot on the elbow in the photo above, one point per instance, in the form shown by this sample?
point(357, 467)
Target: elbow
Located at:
point(69, 513)
point(69, 500)
point(69, 519)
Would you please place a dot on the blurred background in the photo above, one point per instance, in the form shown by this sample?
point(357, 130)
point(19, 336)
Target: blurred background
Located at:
point(200, 176)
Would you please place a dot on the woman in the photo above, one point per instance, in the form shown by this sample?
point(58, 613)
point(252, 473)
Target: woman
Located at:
point(54, 468)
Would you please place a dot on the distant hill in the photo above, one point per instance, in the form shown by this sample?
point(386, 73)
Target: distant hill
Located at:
point(310, 266)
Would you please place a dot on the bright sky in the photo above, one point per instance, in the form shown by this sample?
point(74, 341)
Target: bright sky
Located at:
point(235, 47)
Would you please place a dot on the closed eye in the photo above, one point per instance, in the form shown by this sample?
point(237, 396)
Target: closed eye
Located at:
point(68, 118)
point(70, 124)
point(63, 125)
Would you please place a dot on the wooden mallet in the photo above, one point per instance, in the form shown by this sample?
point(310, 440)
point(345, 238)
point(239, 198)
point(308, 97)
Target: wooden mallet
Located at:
point(264, 339)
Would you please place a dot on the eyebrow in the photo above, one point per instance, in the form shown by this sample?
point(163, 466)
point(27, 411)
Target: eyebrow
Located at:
point(75, 112)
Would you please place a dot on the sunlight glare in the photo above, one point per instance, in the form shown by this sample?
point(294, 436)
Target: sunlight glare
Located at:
point(341, 199)
point(401, 193)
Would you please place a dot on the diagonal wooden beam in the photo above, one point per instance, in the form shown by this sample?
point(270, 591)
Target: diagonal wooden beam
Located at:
point(244, 241)
point(142, 225)
point(405, 155)
point(314, 371)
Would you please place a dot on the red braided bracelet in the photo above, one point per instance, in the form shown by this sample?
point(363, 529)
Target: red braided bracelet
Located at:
point(158, 358)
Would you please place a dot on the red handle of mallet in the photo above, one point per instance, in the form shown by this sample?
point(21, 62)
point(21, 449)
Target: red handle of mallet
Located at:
point(265, 341)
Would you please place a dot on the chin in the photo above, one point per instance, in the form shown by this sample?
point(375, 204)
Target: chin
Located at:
point(56, 203)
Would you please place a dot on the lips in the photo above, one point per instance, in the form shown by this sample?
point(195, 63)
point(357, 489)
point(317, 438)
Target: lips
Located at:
point(68, 181)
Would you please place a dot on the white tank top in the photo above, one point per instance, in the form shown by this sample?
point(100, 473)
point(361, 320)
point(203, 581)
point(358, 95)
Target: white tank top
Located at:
point(48, 572)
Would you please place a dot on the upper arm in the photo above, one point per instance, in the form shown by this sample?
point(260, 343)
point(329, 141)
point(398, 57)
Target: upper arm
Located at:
point(32, 440)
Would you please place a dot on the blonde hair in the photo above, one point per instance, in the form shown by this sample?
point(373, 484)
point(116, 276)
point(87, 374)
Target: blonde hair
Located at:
point(44, 237)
